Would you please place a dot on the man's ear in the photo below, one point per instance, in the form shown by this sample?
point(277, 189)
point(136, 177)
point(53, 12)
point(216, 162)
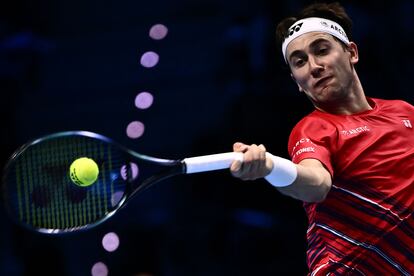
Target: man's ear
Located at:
point(293, 78)
point(353, 50)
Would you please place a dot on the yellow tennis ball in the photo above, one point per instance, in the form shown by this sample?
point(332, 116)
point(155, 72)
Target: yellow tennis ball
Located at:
point(84, 171)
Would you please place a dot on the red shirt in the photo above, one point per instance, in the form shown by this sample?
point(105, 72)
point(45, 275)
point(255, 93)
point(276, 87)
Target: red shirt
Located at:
point(366, 223)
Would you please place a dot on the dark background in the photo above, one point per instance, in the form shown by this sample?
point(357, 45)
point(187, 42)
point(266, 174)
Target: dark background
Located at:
point(74, 65)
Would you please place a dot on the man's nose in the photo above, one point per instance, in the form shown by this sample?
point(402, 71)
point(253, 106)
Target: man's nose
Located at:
point(316, 66)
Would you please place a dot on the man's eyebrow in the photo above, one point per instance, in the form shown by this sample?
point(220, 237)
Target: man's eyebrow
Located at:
point(314, 44)
point(318, 41)
point(296, 53)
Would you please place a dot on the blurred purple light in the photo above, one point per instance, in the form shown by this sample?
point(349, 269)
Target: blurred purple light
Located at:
point(158, 31)
point(99, 269)
point(110, 242)
point(116, 198)
point(144, 100)
point(135, 129)
point(149, 59)
point(134, 169)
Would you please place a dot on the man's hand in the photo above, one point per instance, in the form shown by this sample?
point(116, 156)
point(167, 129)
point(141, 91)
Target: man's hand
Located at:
point(255, 164)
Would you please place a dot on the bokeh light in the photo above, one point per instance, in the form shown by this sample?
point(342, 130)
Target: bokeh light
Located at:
point(134, 170)
point(149, 59)
point(135, 129)
point(144, 100)
point(99, 269)
point(158, 31)
point(110, 242)
point(116, 198)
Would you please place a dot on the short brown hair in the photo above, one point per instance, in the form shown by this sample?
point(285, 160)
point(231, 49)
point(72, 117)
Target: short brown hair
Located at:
point(332, 11)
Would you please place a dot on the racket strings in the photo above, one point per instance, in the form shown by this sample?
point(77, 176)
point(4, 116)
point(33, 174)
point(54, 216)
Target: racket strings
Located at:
point(41, 193)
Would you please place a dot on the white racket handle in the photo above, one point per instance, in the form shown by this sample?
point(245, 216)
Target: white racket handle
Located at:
point(211, 162)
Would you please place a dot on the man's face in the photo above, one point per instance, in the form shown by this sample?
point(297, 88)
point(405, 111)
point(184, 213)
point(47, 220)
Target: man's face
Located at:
point(321, 67)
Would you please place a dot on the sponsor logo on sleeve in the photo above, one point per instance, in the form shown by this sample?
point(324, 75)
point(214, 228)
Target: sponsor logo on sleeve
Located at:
point(304, 145)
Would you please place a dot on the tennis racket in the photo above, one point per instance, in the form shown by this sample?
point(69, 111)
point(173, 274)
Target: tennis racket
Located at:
point(39, 194)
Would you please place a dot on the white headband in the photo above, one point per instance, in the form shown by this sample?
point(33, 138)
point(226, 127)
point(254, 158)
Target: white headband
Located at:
point(313, 24)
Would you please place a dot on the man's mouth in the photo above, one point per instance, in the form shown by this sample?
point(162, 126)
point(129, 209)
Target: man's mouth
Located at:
point(322, 81)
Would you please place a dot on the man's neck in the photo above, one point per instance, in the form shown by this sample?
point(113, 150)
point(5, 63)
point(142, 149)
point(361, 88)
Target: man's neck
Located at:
point(354, 102)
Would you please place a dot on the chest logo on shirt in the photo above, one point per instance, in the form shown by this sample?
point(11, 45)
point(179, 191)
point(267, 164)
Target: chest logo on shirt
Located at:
point(407, 123)
point(355, 131)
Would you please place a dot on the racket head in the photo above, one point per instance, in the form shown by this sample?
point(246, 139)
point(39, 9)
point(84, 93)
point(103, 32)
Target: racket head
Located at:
point(38, 193)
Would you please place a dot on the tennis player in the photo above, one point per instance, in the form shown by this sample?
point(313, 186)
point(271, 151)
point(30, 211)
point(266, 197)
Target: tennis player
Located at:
point(352, 158)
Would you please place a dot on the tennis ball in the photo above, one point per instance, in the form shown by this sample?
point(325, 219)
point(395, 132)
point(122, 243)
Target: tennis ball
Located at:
point(83, 171)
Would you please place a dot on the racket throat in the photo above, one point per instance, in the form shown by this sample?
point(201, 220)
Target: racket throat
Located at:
point(177, 169)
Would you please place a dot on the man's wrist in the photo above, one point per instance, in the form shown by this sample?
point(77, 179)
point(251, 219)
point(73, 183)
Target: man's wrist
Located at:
point(283, 173)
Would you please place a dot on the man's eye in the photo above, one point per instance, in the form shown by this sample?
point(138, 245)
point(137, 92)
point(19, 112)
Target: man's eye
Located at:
point(323, 51)
point(299, 62)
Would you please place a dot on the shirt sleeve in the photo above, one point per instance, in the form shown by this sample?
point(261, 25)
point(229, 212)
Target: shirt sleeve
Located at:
point(312, 138)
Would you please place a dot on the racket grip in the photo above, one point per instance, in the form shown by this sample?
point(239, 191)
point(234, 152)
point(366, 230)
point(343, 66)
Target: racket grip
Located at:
point(211, 162)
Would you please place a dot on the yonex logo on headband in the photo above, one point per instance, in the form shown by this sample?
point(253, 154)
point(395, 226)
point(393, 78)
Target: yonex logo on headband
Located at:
point(313, 24)
point(295, 28)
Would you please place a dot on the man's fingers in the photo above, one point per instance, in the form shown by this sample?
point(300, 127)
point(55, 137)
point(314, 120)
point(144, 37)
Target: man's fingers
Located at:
point(239, 147)
point(262, 151)
point(236, 168)
point(254, 161)
point(256, 157)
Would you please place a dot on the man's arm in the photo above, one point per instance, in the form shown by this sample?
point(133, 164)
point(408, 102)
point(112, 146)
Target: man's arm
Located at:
point(312, 183)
